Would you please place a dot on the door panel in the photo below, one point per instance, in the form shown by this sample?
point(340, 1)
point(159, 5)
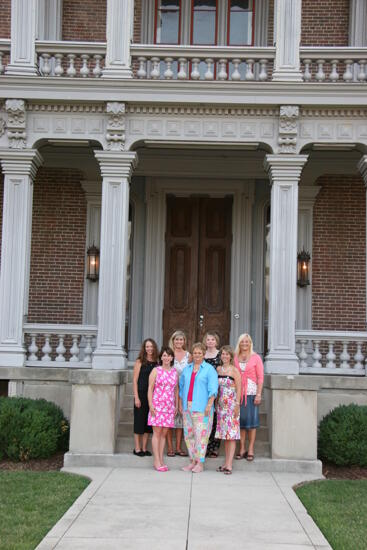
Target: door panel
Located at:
point(197, 275)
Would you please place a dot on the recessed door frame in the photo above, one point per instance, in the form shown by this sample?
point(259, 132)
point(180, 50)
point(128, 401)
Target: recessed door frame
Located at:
point(241, 253)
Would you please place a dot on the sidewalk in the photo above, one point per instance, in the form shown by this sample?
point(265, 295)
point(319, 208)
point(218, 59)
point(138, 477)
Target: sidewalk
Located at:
point(135, 508)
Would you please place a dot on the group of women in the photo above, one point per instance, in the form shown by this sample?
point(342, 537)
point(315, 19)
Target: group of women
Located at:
point(207, 395)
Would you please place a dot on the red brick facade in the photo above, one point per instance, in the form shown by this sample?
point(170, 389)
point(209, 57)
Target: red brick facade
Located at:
point(58, 248)
point(339, 255)
point(84, 20)
point(137, 21)
point(325, 23)
point(5, 10)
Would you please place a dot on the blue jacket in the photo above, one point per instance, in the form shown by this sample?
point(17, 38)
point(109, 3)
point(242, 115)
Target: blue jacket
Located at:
point(206, 385)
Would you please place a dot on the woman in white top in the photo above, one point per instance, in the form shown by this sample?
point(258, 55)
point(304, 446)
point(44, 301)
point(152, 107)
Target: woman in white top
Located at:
point(178, 343)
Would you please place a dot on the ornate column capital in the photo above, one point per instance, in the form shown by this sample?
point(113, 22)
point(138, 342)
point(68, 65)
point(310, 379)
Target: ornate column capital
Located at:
point(23, 162)
point(284, 167)
point(117, 163)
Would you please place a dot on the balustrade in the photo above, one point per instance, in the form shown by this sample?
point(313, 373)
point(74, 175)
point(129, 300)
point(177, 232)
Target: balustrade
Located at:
point(82, 59)
point(4, 54)
point(322, 352)
point(334, 64)
point(59, 345)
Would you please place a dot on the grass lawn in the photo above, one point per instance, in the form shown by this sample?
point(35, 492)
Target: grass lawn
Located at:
point(339, 507)
point(31, 503)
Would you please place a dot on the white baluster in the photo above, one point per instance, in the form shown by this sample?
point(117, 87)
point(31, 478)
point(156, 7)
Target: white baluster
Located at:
point(60, 350)
point(59, 70)
point(182, 73)
point(84, 70)
point(88, 350)
point(303, 355)
point(222, 73)
point(316, 356)
point(249, 74)
point(46, 66)
point(330, 356)
point(348, 74)
point(97, 71)
point(195, 73)
point(358, 357)
point(334, 75)
point(71, 70)
point(344, 356)
point(320, 75)
point(168, 73)
point(307, 75)
point(32, 349)
point(362, 70)
point(74, 350)
point(263, 75)
point(155, 73)
point(142, 71)
point(236, 75)
point(46, 350)
point(1, 63)
point(209, 75)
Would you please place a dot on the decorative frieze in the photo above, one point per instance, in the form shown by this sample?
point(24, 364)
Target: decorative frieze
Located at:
point(16, 125)
point(333, 113)
point(66, 107)
point(115, 134)
point(288, 128)
point(200, 110)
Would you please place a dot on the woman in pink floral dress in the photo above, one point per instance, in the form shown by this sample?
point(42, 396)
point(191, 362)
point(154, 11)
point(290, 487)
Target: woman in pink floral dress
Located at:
point(163, 404)
point(228, 406)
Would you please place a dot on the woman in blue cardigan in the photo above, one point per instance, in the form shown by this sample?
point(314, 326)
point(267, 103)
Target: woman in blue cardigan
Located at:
point(198, 389)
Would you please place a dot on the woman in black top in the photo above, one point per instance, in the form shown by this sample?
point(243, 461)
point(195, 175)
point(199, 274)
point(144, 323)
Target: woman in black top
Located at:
point(145, 363)
point(212, 356)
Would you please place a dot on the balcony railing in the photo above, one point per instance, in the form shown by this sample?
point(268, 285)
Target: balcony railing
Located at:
point(71, 59)
point(338, 353)
point(334, 64)
point(4, 53)
point(208, 63)
point(49, 345)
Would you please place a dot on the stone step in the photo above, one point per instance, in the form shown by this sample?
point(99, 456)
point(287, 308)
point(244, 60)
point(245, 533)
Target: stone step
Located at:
point(127, 416)
point(126, 445)
point(260, 464)
point(127, 401)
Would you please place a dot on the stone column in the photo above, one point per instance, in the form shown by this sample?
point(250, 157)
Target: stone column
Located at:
point(19, 168)
point(284, 173)
point(119, 33)
point(116, 169)
point(23, 59)
point(287, 15)
point(358, 23)
point(362, 167)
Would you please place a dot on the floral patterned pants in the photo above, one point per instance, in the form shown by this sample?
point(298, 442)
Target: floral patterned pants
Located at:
point(197, 428)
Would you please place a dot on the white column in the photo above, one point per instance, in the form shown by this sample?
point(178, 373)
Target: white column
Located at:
point(23, 59)
point(19, 168)
point(362, 167)
point(287, 15)
point(358, 23)
point(116, 169)
point(119, 33)
point(284, 173)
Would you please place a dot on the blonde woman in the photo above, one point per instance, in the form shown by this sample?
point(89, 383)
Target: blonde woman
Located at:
point(250, 366)
point(178, 343)
point(198, 389)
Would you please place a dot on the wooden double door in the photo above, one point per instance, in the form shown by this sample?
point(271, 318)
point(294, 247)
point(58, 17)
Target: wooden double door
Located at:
point(198, 267)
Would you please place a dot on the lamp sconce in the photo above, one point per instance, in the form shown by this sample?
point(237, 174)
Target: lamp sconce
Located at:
point(93, 263)
point(303, 268)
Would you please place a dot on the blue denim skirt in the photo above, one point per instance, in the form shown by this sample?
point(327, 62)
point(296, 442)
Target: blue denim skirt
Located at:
point(249, 415)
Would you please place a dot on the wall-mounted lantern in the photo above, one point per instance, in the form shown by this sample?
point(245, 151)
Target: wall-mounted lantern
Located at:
point(303, 268)
point(93, 263)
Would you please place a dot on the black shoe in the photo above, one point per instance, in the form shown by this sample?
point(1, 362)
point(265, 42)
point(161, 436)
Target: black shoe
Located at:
point(138, 453)
point(147, 453)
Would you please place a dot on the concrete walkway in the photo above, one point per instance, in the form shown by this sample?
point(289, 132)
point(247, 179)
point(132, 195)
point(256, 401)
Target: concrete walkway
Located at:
point(138, 508)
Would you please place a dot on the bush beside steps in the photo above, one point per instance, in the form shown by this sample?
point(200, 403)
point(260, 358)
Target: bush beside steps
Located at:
point(343, 436)
point(31, 428)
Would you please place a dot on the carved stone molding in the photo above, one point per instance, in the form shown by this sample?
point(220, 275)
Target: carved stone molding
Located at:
point(115, 134)
point(333, 113)
point(2, 127)
point(16, 125)
point(196, 110)
point(66, 108)
point(288, 128)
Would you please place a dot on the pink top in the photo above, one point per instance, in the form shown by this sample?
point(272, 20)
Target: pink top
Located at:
point(254, 371)
point(191, 387)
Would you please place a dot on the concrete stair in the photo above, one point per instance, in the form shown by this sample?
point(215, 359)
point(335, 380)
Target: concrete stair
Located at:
point(125, 439)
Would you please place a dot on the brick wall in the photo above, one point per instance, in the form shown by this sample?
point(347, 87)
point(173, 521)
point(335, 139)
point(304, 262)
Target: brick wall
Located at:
point(84, 20)
point(270, 23)
point(58, 247)
point(339, 254)
point(5, 10)
point(137, 22)
point(325, 23)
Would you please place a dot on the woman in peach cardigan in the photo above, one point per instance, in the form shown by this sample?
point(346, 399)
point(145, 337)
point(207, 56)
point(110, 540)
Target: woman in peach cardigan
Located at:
point(251, 368)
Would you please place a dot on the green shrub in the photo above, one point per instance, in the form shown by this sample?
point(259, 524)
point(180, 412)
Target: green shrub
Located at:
point(31, 428)
point(343, 436)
